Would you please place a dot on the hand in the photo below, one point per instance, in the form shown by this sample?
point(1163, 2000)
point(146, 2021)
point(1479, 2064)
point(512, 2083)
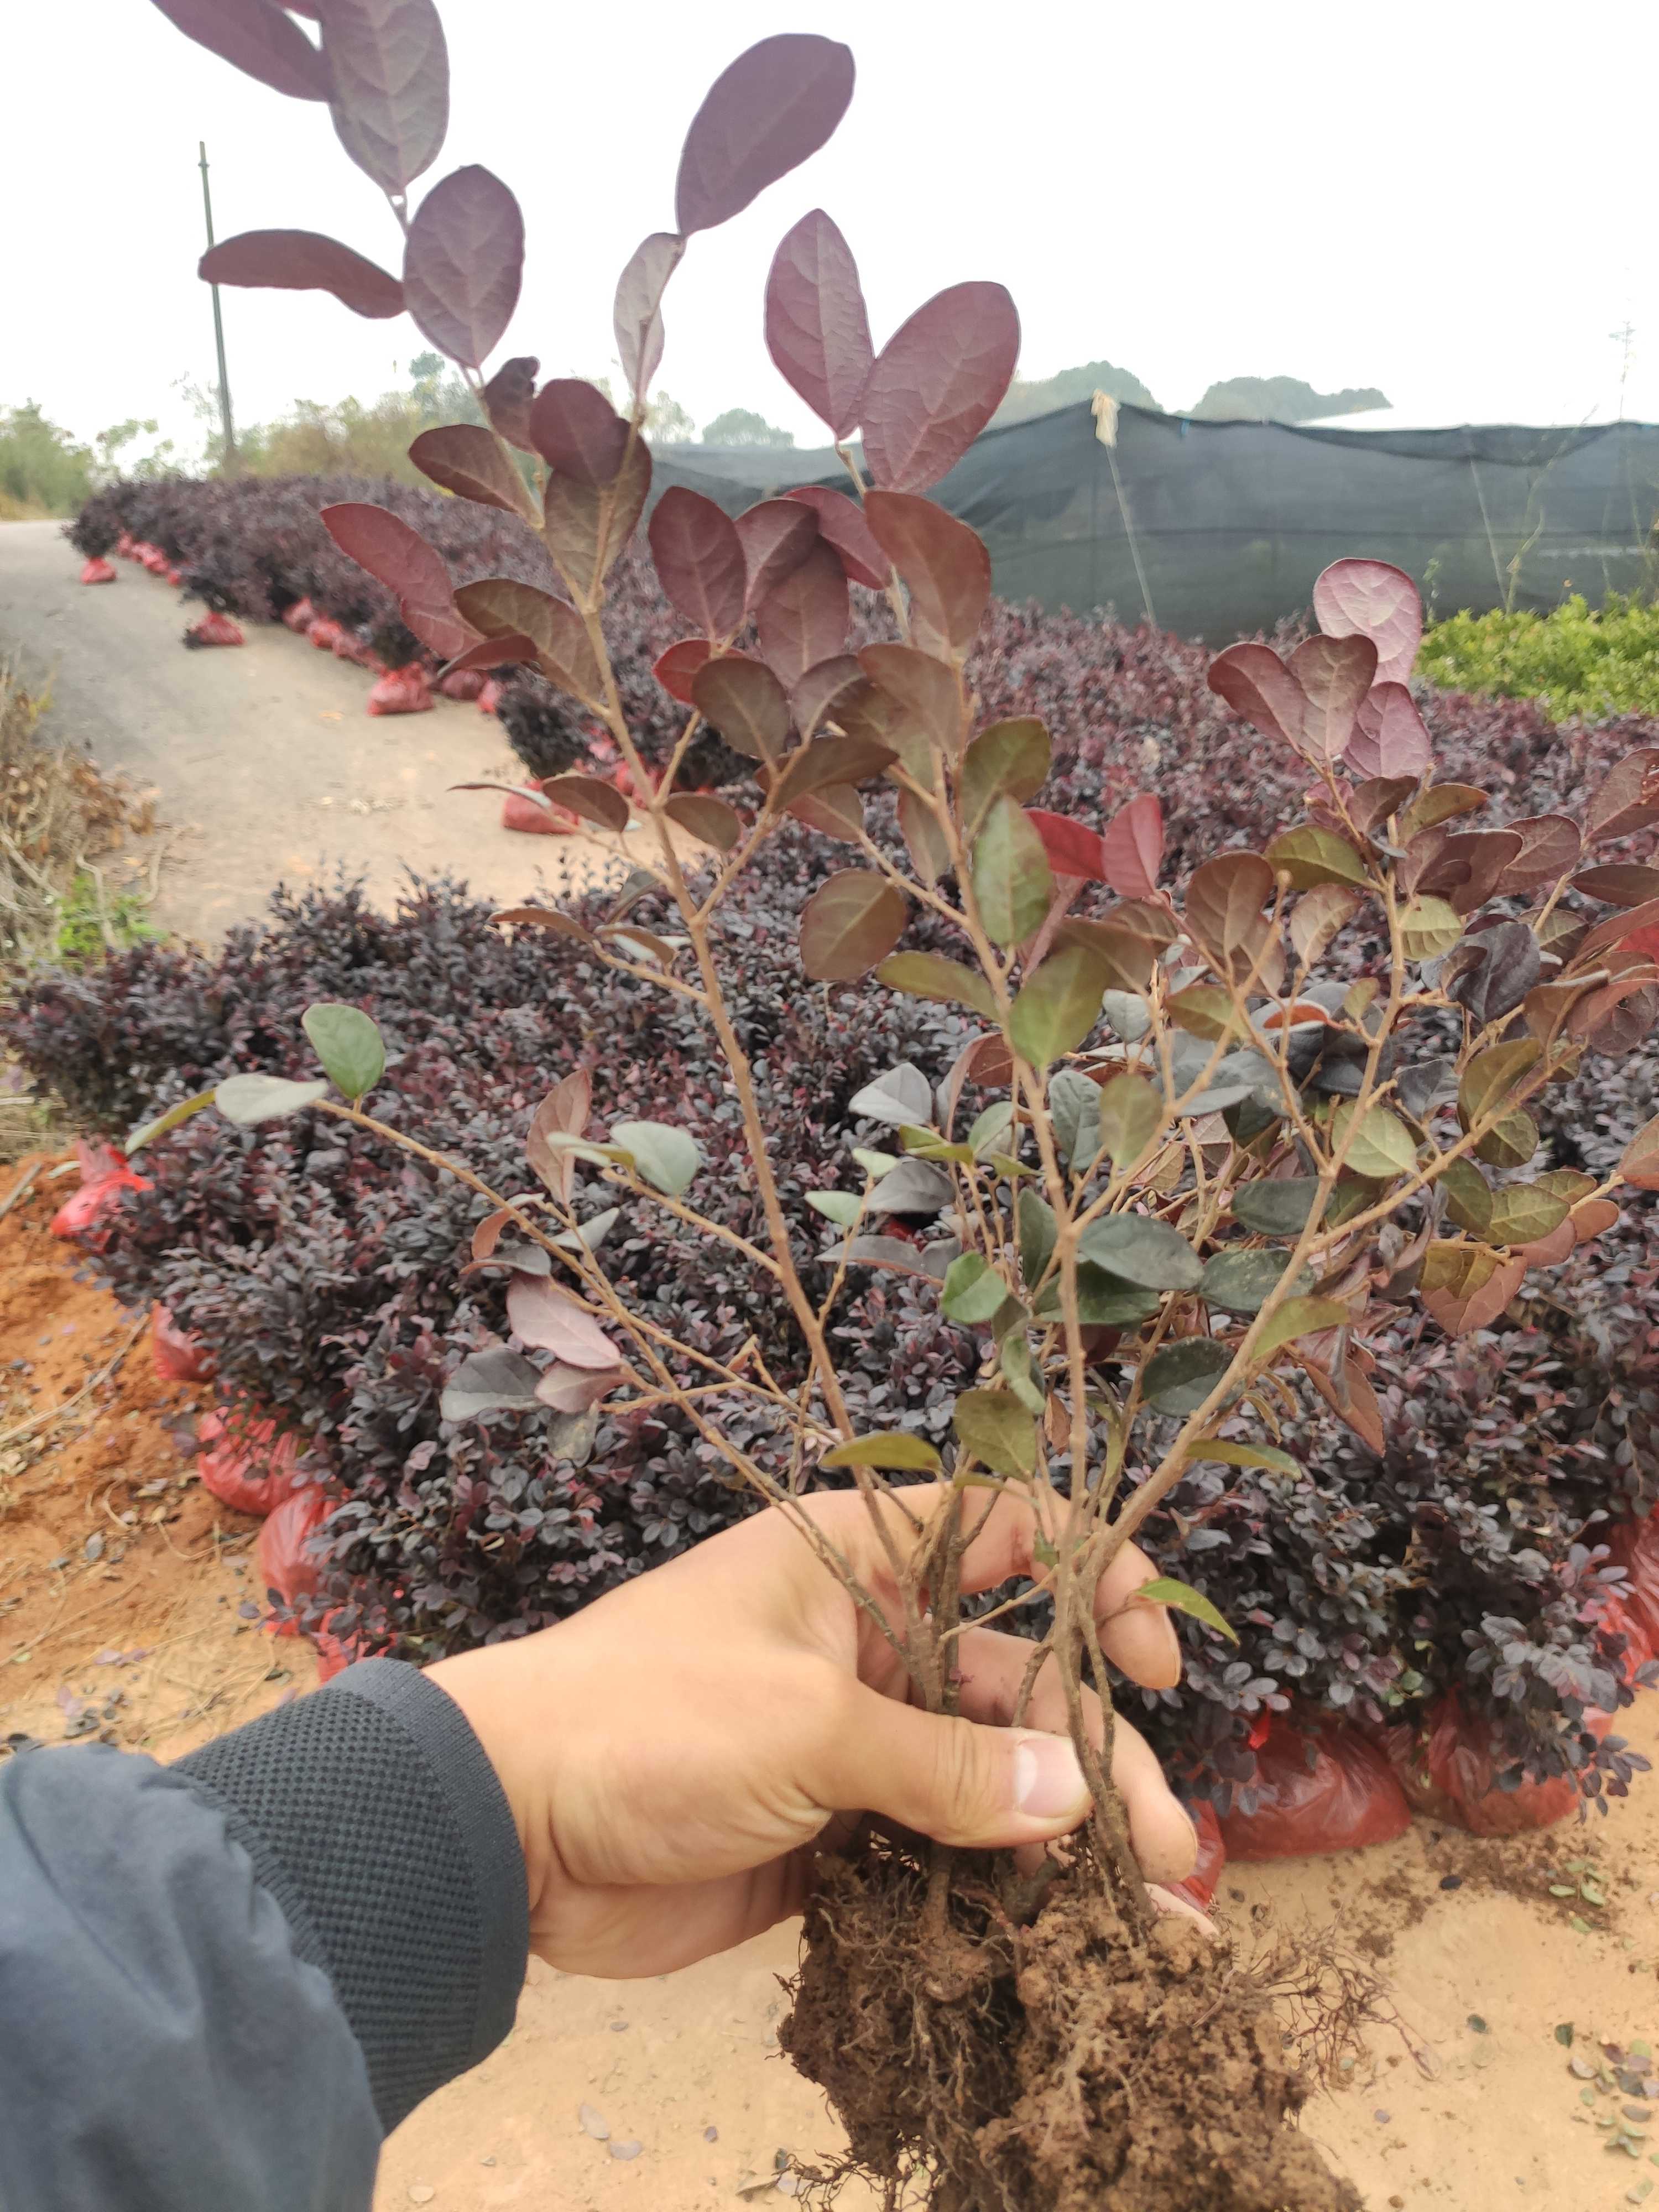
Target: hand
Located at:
point(671, 1753)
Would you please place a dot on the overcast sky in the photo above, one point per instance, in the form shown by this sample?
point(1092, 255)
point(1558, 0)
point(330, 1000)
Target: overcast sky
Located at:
point(1451, 199)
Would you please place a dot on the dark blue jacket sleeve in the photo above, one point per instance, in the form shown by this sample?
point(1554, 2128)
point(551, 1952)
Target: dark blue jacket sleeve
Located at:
point(221, 1983)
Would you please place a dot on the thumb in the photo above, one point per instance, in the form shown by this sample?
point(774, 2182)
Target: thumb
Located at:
point(979, 1787)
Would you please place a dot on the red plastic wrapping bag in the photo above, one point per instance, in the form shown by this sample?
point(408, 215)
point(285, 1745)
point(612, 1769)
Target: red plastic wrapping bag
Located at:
point(465, 683)
point(244, 1463)
point(334, 1653)
point(1446, 1770)
point(123, 547)
point(1347, 1796)
point(402, 691)
point(540, 820)
point(215, 630)
point(299, 617)
point(1634, 1546)
point(491, 697)
point(285, 1565)
point(179, 1357)
point(175, 577)
point(97, 571)
point(103, 1176)
point(323, 632)
point(1199, 1887)
point(349, 647)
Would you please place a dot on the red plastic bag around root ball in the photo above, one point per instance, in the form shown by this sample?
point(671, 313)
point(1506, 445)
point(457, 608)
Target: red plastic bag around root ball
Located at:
point(215, 630)
point(1448, 1774)
point(323, 632)
point(97, 571)
point(103, 1176)
point(349, 647)
point(179, 1357)
point(299, 617)
point(491, 697)
point(286, 1567)
point(402, 691)
point(123, 548)
point(536, 815)
point(334, 1653)
point(1634, 1546)
point(465, 684)
point(244, 1463)
point(1319, 1788)
point(1199, 1887)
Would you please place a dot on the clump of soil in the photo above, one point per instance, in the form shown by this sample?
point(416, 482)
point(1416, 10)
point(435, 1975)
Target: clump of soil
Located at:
point(979, 2066)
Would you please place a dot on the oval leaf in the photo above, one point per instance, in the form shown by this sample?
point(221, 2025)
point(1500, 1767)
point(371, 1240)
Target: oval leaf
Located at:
point(852, 922)
point(587, 796)
point(675, 669)
point(1627, 798)
point(502, 607)
point(1182, 1597)
point(463, 262)
point(463, 458)
point(496, 1381)
point(1624, 883)
point(1276, 1209)
point(1058, 1005)
point(1639, 1163)
point(1255, 683)
point(972, 1291)
point(506, 399)
point(937, 383)
point(381, 542)
point(1390, 740)
point(248, 1099)
point(1372, 599)
point(1138, 1249)
point(744, 702)
point(1242, 1281)
point(1300, 1318)
point(1131, 1115)
point(1380, 1146)
point(577, 431)
point(160, 1124)
point(391, 86)
point(349, 1045)
point(304, 261)
point(896, 1448)
point(542, 1315)
point(777, 535)
point(944, 564)
point(998, 1431)
point(763, 117)
point(929, 975)
point(1180, 1377)
point(710, 821)
point(804, 620)
point(257, 38)
point(1132, 850)
point(1550, 845)
point(699, 559)
point(841, 524)
point(1334, 674)
point(667, 1158)
point(1310, 856)
point(817, 327)
point(1011, 756)
point(636, 317)
point(1428, 928)
point(1073, 848)
point(1011, 876)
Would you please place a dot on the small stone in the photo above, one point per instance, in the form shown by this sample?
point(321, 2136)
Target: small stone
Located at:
point(619, 2026)
point(1477, 2025)
point(1451, 1881)
point(789, 2185)
point(711, 2135)
point(1381, 2117)
point(630, 2149)
point(420, 2193)
point(487, 2162)
point(1398, 2203)
point(593, 2123)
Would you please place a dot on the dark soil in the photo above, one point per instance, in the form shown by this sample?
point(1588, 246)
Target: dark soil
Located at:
point(983, 2066)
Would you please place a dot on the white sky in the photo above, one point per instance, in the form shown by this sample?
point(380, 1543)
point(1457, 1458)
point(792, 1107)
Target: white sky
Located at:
point(1449, 198)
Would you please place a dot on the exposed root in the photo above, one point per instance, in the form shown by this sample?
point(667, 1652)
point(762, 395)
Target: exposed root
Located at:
point(1066, 2066)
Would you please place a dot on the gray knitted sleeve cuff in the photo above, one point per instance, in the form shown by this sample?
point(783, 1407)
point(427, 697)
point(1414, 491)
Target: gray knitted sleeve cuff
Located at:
point(373, 1818)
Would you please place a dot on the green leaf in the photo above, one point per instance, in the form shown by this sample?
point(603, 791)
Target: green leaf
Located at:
point(1492, 1075)
point(1180, 1377)
point(566, 1140)
point(349, 1045)
point(1039, 1233)
point(1059, 1005)
point(1300, 1318)
point(929, 975)
point(991, 1128)
point(1204, 1010)
point(1074, 1113)
point(1014, 1357)
point(1141, 1250)
point(850, 924)
point(1103, 1300)
point(1380, 1147)
point(897, 1449)
point(1511, 1142)
point(1522, 1213)
point(1468, 1195)
point(1563, 2034)
point(248, 1099)
point(1276, 1209)
point(1011, 757)
point(1352, 1195)
point(1242, 1281)
point(973, 1290)
point(928, 1145)
point(1013, 884)
point(1182, 1597)
point(875, 1164)
point(1428, 928)
point(1237, 1455)
point(148, 1132)
point(840, 1206)
point(996, 1428)
point(1131, 1114)
point(1310, 856)
point(666, 1158)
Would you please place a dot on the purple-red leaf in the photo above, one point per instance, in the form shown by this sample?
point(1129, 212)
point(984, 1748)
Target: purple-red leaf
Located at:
point(1072, 849)
point(637, 316)
point(1373, 600)
point(304, 261)
point(745, 702)
point(259, 39)
point(1550, 845)
point(1627, 798)
point(502, 606)
point(576, 430)
point(699, 558)
point(508, 396)
point(927, 690)
point(1255, 683)
point(376, 539)
point(464, 459)
point(463, 262)
point(494, 653)
point(936, 384)
point(390, 76)
point(765, 115)
point(942, 562)
point(777, 536)
point(549, 1318)
point(1389, 736)
point(813, 695)
point(1333, 675)
point(805, 621)
point(675, 669)
point(840, 521)
point(851, 921)
point(1133, 847)
point(817, 327)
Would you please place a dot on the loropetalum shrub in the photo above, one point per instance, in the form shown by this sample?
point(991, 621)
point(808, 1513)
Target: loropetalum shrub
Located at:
point(1183, 1155)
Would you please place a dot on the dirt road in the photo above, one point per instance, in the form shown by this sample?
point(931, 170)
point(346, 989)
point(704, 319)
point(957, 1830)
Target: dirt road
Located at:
point(267, 766)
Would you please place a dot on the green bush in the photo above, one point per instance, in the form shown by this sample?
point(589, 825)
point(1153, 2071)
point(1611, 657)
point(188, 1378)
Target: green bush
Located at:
point(1577, 660)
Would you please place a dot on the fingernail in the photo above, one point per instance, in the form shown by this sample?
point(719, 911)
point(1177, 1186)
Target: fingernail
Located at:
point(1048, 1779)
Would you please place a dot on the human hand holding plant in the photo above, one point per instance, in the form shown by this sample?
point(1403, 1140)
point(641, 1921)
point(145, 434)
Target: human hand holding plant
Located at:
point(673, 1752)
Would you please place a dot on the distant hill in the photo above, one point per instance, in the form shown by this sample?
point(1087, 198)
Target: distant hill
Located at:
point(1027, 397)
point(1279, 400)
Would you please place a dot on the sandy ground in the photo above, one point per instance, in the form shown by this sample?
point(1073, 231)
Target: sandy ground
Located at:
point(266, 767)
point(1468, 2105)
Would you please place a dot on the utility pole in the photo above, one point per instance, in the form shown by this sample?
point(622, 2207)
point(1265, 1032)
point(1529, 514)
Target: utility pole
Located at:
point(229, 462)
point(1625, 338)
